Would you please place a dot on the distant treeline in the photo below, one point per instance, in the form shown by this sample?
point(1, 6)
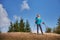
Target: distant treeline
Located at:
point(20, 26)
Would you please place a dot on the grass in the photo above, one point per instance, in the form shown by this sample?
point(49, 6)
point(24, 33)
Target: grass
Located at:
point(28, 36)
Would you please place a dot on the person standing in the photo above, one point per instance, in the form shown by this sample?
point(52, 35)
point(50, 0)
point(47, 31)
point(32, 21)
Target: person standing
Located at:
point(38, 21)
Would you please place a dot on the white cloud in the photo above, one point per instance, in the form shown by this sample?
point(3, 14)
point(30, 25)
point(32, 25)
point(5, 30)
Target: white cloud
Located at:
point(25, 5)
point(16, 17)
point(4, 20)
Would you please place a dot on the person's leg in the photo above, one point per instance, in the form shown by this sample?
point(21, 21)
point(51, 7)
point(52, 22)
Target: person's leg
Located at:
point(37, 29)
point(41, 28)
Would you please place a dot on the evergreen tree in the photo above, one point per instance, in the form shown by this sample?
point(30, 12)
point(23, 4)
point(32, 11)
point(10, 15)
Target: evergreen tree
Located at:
point(58, 22)
point(16, 27)
point(0, 30)
point(57, 29)
point(21, 25)
point(27, 28)
point(11, 28)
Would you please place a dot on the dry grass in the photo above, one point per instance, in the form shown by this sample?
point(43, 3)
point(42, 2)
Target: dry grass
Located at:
point(28, 36)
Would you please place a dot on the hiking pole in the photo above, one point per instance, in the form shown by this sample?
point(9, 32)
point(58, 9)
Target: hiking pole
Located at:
point(45, 27)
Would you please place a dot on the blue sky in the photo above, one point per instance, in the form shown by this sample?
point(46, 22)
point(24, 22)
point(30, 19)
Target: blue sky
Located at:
point(48, 9)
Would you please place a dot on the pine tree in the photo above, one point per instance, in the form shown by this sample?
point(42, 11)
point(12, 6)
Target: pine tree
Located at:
point(16, 27)
point(21, 25)
point(0, 30)
point(57, 29)
point(58, 21)
point(11, 28)
point(27, 28)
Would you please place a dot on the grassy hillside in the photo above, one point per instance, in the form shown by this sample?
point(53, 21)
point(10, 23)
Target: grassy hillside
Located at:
point(28, 36)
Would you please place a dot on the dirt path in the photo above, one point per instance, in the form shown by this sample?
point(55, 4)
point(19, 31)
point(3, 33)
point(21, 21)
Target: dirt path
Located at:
point(28, 36)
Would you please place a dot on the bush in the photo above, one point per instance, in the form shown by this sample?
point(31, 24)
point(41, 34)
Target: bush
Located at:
point(57, 30)
point(48, 30)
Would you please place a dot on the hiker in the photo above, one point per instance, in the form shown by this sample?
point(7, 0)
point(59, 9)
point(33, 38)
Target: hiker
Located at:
point(38, 23)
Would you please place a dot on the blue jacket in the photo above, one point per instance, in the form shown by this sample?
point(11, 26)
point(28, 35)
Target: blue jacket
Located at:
point(38, 20)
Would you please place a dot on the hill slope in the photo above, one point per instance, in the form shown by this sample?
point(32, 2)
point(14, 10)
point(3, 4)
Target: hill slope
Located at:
point(28, 36)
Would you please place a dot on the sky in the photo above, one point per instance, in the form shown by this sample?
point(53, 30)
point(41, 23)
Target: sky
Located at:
point(10, 10)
